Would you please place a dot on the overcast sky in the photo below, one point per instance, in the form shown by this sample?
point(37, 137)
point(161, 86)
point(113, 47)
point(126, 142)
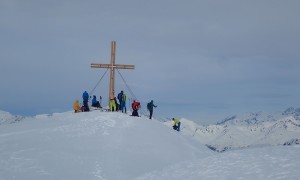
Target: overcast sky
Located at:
point(202, 60)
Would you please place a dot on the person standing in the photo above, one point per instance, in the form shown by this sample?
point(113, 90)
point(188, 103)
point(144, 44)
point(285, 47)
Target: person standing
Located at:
point(150, 106)
point(120, 95)
point(123, 103)
point(112, 105)
point(85, 97)
point(176, 125)
point(117, 108)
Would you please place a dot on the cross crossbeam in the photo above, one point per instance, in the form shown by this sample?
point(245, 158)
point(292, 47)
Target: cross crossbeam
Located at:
point(118, 66)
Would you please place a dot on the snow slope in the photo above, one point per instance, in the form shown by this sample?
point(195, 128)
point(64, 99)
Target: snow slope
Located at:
point(254, 163)
point(93, 145)
point(116, 146)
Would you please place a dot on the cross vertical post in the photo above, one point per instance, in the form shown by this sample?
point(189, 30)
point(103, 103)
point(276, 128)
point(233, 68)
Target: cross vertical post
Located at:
point(112, 70)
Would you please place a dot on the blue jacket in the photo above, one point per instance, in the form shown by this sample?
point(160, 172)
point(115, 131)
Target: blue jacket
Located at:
point(94, 100)
point(120, 95)
point(85, 96)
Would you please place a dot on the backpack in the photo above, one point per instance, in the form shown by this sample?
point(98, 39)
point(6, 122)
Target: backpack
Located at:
point(124, 97)
point(149, 106)
point(120, 97)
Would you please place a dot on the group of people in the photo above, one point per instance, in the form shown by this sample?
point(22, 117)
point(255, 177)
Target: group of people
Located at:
point(85, 107)
point(119, 105)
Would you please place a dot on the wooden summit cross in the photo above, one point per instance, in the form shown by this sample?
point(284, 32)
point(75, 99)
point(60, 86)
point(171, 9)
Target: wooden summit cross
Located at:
point(112, 67)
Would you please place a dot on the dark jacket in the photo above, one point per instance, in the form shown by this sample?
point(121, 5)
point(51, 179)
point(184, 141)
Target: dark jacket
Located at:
point(150, 106)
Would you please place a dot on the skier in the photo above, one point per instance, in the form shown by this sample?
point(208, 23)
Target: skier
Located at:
point(120, 95)
point(85, 97)
point(117, 108)
point(112, 105)
point(150, 106)
point(123, 102)
point(76, 106)
point(176, 125)
point(95, 103)
point(135, 108)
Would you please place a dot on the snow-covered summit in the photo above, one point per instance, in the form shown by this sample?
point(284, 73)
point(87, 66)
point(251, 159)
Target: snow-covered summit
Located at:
point(115, 146)
point(91, 145)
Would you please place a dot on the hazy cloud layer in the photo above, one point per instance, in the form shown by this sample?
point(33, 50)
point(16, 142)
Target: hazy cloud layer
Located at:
point(196, 59)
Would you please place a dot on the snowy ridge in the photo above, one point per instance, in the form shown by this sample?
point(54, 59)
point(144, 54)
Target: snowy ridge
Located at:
point(91, 145)
point(293, 112)
point(7, 118)
point(248, 130)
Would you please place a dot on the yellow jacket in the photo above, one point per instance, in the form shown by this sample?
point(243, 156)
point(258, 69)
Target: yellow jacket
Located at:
point(176, 121)
point(76, 106)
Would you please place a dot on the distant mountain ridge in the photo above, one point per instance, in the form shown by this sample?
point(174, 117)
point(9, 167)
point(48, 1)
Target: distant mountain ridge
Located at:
point(293, 112)
point(247, 130)
point(7, 118)
point(260, 117)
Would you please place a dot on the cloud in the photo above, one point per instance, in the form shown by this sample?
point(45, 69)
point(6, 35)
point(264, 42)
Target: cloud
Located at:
point(215, 53)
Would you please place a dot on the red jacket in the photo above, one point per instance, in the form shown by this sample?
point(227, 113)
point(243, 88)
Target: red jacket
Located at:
point(135, 105)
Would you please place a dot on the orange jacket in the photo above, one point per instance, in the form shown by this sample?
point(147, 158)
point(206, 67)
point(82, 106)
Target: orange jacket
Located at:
point(76, 106)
